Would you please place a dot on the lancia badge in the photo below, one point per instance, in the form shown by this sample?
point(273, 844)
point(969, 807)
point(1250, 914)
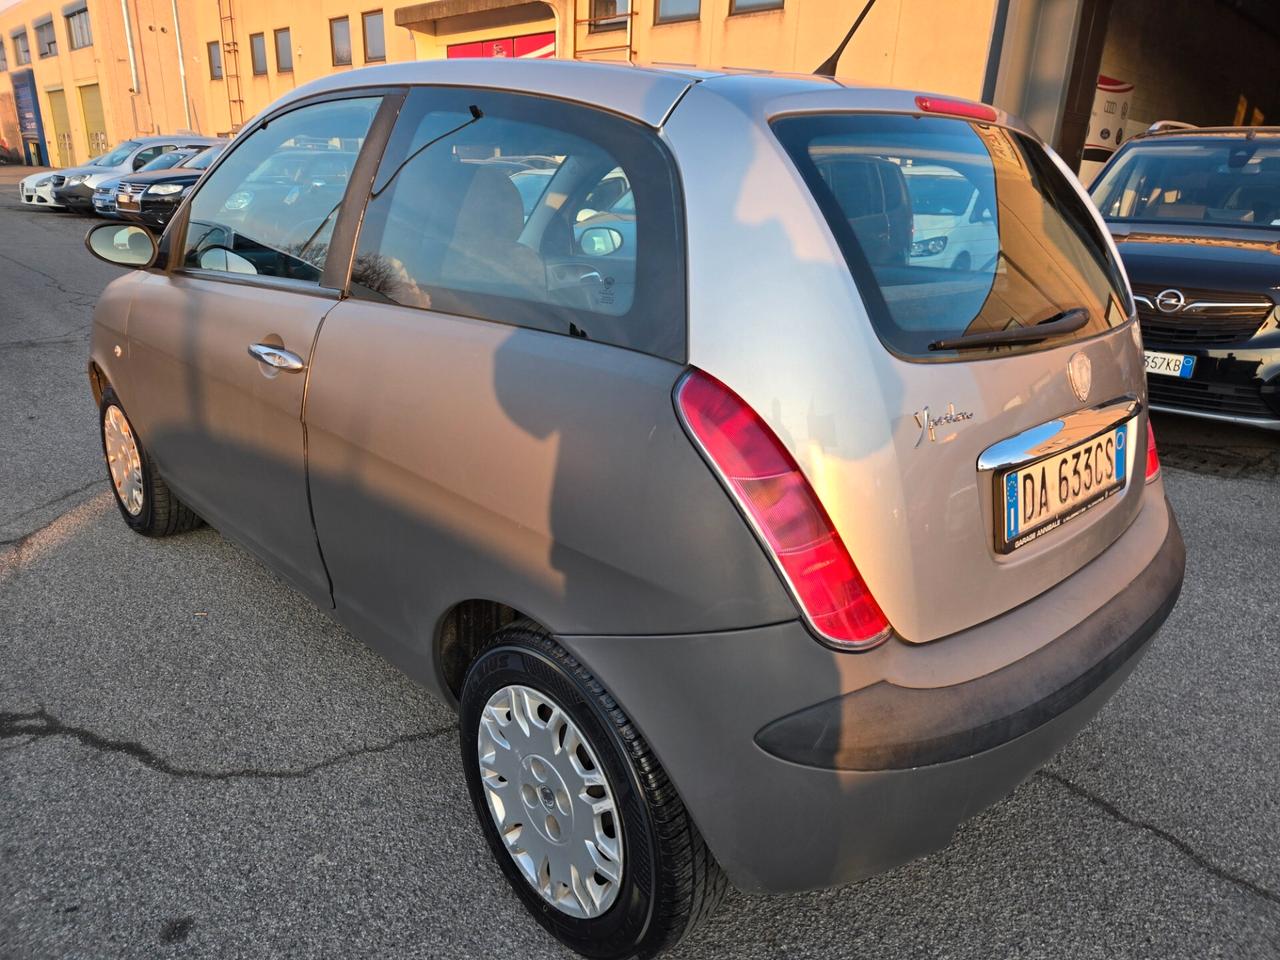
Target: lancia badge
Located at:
point(1080, 373)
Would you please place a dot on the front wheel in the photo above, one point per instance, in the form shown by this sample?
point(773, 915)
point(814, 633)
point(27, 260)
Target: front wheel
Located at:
point(147, 504)
point(577, 810)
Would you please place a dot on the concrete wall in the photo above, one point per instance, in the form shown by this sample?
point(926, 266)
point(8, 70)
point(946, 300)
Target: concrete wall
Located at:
point(1192, 60)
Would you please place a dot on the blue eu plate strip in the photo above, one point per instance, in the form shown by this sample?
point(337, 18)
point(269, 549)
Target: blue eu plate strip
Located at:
point(1011, 505)
point(1122, 454)
point(1188, 364)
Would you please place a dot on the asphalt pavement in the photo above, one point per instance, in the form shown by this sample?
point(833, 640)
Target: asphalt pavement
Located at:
point(195, 762)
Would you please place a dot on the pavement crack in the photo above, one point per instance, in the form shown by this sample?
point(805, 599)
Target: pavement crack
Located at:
point(40, 724)
point(1109, 808)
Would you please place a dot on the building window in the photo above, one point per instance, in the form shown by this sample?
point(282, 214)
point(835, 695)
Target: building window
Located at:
point(78, 29)
point(669, 11)
point(46, 40)
point(258, 53)
point(4, 57)
point(609, 14)
point(284, 51)
point(215, 60)
point(340, 41)
point(749, 6)
point(21, 49)
point(375, 40)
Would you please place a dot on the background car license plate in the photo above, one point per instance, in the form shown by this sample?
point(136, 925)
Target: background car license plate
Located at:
point(1042, 496)
point(1169, 364)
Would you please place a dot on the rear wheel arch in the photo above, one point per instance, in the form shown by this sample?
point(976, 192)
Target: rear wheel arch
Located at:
point(462, 633)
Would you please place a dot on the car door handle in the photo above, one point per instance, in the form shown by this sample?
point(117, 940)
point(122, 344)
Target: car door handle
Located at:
point(277, 357)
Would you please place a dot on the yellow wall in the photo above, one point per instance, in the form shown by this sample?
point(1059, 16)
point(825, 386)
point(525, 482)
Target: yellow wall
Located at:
point(312, 53)
point(938, 45)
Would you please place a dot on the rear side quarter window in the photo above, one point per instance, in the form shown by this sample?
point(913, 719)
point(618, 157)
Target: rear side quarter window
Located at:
point(531, 212)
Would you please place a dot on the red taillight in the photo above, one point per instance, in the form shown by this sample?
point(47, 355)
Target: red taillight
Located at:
point(957, 108)
point(785, 511)
point(1153, 458)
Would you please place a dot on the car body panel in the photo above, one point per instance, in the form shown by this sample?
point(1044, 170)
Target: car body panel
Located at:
point(225, 429)
point(585, 507)
point(843, 825)
point(846, 407)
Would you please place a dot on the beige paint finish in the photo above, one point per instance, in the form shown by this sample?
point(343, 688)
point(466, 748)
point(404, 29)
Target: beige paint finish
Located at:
point(226, 429)
point(916, 515)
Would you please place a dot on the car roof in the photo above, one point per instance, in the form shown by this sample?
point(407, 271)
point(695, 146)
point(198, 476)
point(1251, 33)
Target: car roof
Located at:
point(1207, 133)
point(644, 93)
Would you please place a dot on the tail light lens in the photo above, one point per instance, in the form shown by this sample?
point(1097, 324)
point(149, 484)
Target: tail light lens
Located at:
point(1153, 458)
point(785, 512)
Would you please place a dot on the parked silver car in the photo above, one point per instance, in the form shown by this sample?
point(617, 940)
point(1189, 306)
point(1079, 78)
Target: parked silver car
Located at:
point(72, 188)
point(748, 546)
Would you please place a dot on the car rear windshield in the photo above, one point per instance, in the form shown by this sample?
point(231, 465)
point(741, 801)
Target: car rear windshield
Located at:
point(954, 228)
point(1228, 181)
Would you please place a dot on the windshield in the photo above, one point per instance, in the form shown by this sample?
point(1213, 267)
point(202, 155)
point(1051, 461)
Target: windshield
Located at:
point(1233, 181)
point(202, 160)
point(954, 228)
point(165, 161)
point(118, 155)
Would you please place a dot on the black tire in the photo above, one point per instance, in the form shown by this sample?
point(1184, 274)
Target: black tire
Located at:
point(162, 513)
point(670, 880)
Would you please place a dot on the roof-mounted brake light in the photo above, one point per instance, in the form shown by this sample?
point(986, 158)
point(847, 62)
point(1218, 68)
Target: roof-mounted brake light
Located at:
point(957, 108)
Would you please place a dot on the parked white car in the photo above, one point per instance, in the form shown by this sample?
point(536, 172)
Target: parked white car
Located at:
point(72, 189)
point(952, 222)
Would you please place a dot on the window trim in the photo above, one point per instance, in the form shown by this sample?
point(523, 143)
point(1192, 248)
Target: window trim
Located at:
point(209, 47)
point(364, 36)
point(674, 271)
point(71, 36)
point(333, 48)
point(18, 52)
point(336, 272)
point(253, 55)
point(660, 20)
point(275, 39)
point(772, 7)
point(37, 26)
point(616, 22)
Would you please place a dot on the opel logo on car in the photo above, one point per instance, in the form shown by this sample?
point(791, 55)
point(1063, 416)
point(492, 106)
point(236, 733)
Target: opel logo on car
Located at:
point(1080, 373)
point(1170, 301)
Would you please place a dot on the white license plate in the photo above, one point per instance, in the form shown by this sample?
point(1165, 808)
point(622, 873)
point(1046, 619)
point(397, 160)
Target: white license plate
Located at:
point(1169, 364)
point(1040, 497)
point(125, 200)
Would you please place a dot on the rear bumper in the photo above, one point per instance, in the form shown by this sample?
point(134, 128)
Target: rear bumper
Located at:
point(808, 768)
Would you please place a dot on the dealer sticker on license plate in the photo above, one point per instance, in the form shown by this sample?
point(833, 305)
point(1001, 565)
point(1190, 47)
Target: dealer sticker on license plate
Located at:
point(1169, 364)
point(1041, 496)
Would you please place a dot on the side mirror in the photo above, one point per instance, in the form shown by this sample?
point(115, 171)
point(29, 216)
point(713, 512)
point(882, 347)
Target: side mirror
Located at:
point(600, 241)
point(129, 246)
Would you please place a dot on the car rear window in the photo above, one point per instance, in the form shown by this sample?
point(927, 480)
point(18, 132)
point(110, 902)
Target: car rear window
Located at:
point(953, 228)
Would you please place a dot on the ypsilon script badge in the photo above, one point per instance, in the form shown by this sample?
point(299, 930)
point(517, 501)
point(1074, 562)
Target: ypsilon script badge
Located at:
point(928, 424)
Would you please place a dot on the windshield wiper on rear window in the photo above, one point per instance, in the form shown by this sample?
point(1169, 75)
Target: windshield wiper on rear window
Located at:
point(1069, 321)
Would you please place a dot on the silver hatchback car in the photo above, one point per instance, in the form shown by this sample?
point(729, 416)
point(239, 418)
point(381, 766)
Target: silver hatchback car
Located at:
point(632, 412)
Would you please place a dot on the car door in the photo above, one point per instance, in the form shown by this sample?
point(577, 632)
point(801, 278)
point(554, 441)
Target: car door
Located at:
point(220, 344)
point(464, 398)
